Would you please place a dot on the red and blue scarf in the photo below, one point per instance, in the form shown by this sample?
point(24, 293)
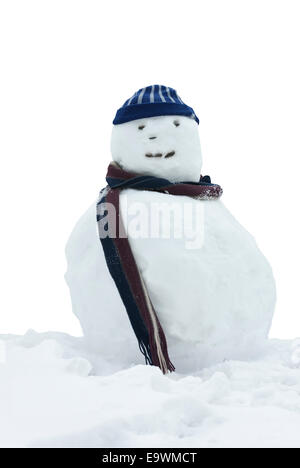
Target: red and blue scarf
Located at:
point(121, 262)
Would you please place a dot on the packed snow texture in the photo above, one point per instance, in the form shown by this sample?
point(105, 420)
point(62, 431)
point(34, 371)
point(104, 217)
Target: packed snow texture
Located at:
point(130, 144)
point(51, 397)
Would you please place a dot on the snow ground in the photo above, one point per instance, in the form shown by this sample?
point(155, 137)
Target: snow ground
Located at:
point(51, 397)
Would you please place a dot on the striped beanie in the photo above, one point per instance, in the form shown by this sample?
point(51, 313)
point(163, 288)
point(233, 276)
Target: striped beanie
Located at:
point(153, 101)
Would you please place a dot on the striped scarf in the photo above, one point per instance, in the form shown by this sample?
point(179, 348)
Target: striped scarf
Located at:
point(121, 262)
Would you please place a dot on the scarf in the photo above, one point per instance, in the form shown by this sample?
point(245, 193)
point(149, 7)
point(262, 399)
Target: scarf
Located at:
point(120, 259)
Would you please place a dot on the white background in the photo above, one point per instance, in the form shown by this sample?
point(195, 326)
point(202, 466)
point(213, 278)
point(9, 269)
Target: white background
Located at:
point(66, 66)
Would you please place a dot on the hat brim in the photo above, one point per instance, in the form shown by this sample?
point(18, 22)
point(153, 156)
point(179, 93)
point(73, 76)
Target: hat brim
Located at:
point(142, 111)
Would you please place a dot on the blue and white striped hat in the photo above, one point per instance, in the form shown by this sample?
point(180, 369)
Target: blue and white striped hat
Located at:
point(153, 101)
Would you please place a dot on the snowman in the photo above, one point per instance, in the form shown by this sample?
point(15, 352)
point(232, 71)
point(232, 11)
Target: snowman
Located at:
point(158, 264)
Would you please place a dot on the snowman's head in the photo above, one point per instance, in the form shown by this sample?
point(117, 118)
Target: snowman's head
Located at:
point(157, 138)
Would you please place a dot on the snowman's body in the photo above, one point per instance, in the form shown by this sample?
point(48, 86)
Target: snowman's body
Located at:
point(214, 300)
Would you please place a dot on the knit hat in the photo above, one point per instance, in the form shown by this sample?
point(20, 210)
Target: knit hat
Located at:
point(153, 101)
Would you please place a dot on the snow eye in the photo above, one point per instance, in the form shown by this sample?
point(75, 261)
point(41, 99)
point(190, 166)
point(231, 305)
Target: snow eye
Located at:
point(176, 123)
point(141, 127)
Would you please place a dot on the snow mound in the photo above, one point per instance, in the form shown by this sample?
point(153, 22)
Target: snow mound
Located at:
point(51, 397)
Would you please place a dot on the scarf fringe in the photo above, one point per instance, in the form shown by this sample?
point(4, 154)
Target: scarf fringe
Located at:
point(158, 342)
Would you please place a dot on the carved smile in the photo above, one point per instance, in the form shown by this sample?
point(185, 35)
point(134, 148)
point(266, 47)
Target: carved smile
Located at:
point(160, 155)
point(150, 155)
point(169, 155)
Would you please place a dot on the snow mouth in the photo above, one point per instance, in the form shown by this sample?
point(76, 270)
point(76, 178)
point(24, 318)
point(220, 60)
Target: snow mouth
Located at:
point(160, 155)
